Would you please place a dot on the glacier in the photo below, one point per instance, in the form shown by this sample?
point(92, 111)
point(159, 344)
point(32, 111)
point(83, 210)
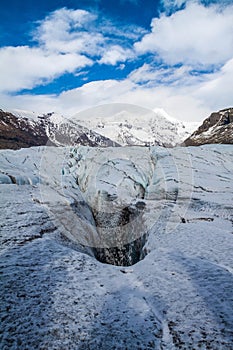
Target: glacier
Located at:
point(117, 248)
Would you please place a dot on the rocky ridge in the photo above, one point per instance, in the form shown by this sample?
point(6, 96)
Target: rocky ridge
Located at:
point(16, 132)
point(22, 130)
point(217, 128)
point(111, 127)
point(102, 126)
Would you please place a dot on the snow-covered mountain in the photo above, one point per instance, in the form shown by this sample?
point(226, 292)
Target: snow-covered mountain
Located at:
point(104, 126)
point(63, 212)
point(133, 125)
point(217, 128)
point(19, 129)
point(112, 125)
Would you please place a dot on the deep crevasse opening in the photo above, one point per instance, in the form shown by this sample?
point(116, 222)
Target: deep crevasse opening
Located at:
point(127, 195)
point(113, 183)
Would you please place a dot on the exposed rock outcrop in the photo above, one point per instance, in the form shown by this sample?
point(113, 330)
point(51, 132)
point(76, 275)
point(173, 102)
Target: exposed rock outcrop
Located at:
point(20, 131)
point(16, 133)
point(217, 128)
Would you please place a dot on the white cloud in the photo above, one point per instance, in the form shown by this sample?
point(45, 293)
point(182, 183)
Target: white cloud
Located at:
point(24, 67)
point(115, 54)
point(70, 31)
point(178, 103)
point(143, 74)
point(34, 103)
point(163, 76)
point(121, 66)
point(196, 35)
point(218, 89)
point(191, 102)
point(172, 4)
point(65, 38)
point(95, 93)
point(81, 31)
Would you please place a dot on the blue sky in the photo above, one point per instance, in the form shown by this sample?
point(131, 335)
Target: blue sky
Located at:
point(67, 56)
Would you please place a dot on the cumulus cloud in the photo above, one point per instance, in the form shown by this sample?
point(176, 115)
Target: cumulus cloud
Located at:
point(158, 75)
point(68, 31)
point(66, 40)
point(170, 6)
point(196, 35)
point(24, 67)
point(81, 31)
point(181, 49)
point(190, 102)
point(116, 54)
point(96, 92)
point(218, 88)
point(63, 43)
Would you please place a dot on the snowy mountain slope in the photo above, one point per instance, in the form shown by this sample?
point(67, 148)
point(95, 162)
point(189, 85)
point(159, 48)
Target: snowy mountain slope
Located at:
point(111, 125)
point(63, 132)
point(55, 294)
point(29, 115)
point(104, 126)
point(184, 128)
point(19, 129)
point(134, 125)
point(217, 128)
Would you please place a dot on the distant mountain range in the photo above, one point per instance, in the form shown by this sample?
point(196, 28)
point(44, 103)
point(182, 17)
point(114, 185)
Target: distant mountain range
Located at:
point(103, 127)
point(19, 129)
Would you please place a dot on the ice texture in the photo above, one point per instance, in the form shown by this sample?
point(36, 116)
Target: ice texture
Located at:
point(56, 295)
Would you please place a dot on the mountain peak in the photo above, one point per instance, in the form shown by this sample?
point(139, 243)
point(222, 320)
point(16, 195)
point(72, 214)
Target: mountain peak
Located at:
point(134, 125)
point(217, 128)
